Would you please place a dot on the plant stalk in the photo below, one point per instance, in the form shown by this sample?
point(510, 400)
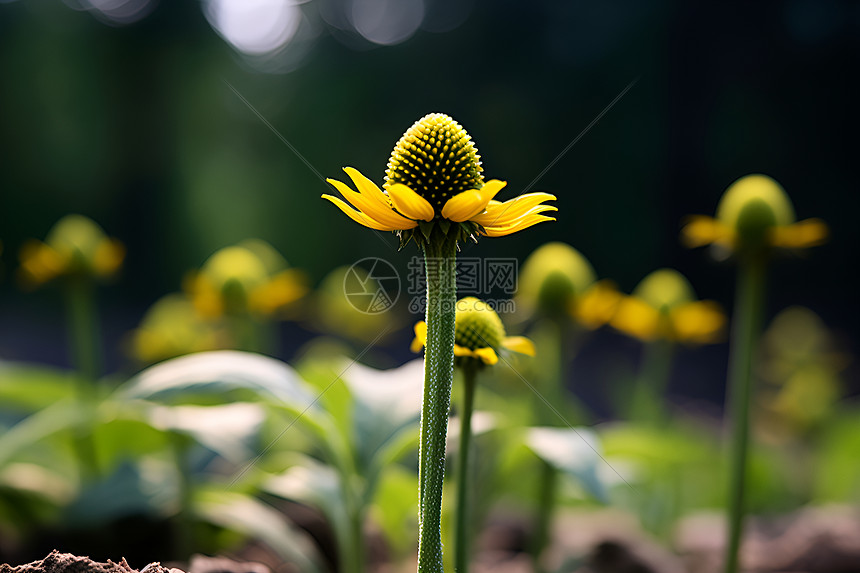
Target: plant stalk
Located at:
point(543, 518)
point(440, 257)
point(462, 547)
point(746, 328)
point(649, 395)
point(84, 343)
point(184, 523)
point(84, 338)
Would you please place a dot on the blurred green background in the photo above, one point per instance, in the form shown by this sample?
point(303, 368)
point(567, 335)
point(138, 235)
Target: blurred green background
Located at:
point(123, 110)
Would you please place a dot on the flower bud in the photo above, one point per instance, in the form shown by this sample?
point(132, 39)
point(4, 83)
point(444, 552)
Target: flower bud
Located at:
point(752, 206)
point(552, 277)
point(477, 325)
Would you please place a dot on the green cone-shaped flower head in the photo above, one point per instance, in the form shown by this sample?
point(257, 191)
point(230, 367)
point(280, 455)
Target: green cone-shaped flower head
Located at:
point(477, 325)
point(437, 159)
point(553, 276)
point(751, 206)
point(665, 289)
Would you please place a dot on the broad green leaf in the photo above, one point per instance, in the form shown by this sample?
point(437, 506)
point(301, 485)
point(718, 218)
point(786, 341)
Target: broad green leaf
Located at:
point(61, 416)
point(257, 520)
point(316, 485)
point(395, 509)
point(387, 403)
point(573, 451)
point(147, 486)
point(227, 430)
point(215, 377)
point(30, 387)
point(837, 469)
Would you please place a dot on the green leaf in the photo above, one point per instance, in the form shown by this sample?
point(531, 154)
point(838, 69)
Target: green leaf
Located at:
point(227, 430)
point(62, 416)
point(316, 485)
point(573, 451)
point(255, 519)
point(30, 387)
point(214, 377)
point(395, 509)
point(387, 403)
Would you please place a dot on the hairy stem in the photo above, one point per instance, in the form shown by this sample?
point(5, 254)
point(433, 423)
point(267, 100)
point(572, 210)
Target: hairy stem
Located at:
point(464, 485)
point(440, 257)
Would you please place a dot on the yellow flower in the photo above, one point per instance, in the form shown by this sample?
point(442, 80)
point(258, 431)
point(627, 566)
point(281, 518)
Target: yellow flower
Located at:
point(478, 334)
point(248, 277)
point(335, 313)
point(754, 213)
point(557, 280)
point(75, 246)
point(663, 305)
point(173, 327)
point(434, 180)
point(802, 366)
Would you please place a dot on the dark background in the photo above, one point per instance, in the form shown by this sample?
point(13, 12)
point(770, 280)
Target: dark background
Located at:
point(135, 125)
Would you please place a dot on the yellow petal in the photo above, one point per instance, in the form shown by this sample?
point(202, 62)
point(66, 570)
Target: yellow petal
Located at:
point(108, 257)
point(358, 216)
point(374, 209)
point(420, 336)
point(701, 230)
point(487, 355)
point(204, 296)
point(501, 214)
point(637, 318)
point(463, 206)
point(410, 203)
point(462, 351)
point(519, 344)
point(39, 263)
point(806, 233)
point(597, 305)
point(700, 322)
point(367, 187)
point(284, 288)
point(519, 225)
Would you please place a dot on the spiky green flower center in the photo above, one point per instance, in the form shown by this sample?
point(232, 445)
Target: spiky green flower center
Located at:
point(477, 325)
point(437, 159)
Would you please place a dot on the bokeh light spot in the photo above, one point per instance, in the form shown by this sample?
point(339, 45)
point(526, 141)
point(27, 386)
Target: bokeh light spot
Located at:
point(255, 27)
point(387, 22)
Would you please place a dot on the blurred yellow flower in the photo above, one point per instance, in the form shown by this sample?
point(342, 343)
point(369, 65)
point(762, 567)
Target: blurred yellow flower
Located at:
point(248, 277)
point(434, 177)
point(75, 246)
point(802, 367)
point(335, 313)
point(557, 280)
point(172, 327)
point(663, 305)
point(754, 213)
point(478, 334)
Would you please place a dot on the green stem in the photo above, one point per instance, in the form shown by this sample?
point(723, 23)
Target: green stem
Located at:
point(83, 331)
point(440, 257)
point(546, 501)
point(464, 485)
point(351, 558)
point(747, 321)
point(83, 336)
point(655, 371)
point(184, 523)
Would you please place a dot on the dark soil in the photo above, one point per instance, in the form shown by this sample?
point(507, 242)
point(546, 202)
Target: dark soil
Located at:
point(57, 562)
